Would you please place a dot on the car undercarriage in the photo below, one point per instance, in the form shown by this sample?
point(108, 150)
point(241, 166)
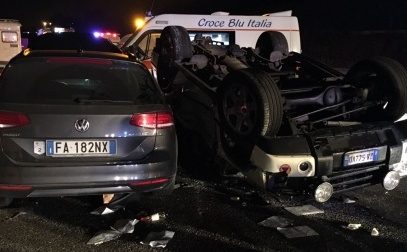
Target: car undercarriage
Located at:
point(286, 120)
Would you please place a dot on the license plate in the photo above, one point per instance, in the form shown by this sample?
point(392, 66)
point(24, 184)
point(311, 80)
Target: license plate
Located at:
point(361, 157)
point(81, 147)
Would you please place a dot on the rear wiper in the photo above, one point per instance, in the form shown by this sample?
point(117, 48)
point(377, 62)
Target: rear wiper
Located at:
point(94, 101)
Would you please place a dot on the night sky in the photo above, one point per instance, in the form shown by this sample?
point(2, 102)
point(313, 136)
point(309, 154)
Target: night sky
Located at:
point(117, 15)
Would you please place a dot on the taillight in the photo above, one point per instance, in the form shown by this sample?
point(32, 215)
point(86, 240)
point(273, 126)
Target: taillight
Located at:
point(13, 119)
point(153, 120)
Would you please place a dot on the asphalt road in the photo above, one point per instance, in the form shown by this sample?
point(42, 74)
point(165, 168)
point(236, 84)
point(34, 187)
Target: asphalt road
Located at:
point(205, 218)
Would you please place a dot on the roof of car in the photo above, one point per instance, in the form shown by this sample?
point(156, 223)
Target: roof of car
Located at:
point(72, 41)
point(73, 53)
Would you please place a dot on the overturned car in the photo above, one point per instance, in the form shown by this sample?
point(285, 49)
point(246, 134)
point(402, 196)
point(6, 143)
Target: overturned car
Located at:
point(285, 120)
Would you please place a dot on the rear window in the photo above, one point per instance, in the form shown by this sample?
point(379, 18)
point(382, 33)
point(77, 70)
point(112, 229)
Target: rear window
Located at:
point(72, 41)
point(77, 80)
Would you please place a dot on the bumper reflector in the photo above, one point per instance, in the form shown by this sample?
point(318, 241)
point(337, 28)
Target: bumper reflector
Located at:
point(149, 182)
point(15, 187)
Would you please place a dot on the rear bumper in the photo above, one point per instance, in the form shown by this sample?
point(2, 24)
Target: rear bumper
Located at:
point(324, 151)
point(18, 182)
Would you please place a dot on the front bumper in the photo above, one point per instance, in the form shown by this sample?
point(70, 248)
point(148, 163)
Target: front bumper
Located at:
point(324, 151)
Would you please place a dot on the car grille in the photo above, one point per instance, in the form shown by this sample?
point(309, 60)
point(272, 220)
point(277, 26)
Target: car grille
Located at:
point(351, 180)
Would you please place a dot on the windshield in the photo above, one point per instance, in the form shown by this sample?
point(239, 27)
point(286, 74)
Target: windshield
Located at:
point(70, 80)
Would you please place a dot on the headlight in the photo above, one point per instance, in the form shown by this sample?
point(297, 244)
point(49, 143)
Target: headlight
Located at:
point(391, 180)
point(323, 192)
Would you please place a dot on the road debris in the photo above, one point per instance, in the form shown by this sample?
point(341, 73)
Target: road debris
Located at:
point(125, 226)
point(375, 232)
point(276, 222)
point(153, 217)
point(304, 210)
point(107, 198)
point(235, 198)
point(120, 227)
point(353, 226)
point(104, 236)
point(104, 210)
point(16, 215)
point(347, 200)
point(158, 239)
point(297, 232)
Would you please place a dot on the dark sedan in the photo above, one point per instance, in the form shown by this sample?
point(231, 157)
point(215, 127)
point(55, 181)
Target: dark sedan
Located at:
point(82, 123)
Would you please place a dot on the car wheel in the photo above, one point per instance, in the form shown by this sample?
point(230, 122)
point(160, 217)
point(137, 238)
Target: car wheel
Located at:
point(5, 202)
point(250, 104)
point(383, 82)
point(271, 41)
point(175, 45)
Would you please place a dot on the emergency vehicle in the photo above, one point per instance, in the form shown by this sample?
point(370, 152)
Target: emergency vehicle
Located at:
point(10, 44)
point(219, 26)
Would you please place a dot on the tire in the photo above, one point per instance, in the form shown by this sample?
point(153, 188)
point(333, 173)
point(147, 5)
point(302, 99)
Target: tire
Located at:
point(271, 41)
point(175, 45)
point(385, 80)
point(5, 202)
point(250, 104)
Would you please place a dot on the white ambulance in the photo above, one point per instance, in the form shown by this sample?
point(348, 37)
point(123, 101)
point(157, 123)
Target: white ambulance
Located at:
point(10, 44)
point(220, 26)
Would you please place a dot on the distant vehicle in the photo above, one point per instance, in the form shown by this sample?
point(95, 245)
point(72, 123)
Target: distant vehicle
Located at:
point(10, 44)
point(72, 41)
point(82, 123)
point(112, 36)
point(219, 26)
point(54, 29)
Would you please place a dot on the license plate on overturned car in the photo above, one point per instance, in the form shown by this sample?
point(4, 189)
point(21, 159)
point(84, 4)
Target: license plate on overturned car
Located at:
point(361, 157)
point(81, 147)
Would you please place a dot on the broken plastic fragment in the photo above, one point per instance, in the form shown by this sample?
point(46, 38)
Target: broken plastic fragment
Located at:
point(107, 198)
point(297, 232)
point(17, 215)
point(154, 217)
point(103, 210)
point(348, 201)
point(304, 210)
point(104, 236)
point(120, 227)
point(375, 232)
point(158, 239)
point(276, 222)
point(353, 226)
point(125, 226)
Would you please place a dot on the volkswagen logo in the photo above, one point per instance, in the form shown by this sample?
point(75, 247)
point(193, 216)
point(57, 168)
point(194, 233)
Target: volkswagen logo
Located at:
point(82, 125)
